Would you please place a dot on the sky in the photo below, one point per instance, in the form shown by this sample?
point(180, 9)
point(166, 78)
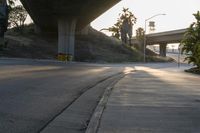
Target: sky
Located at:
point(178, 13)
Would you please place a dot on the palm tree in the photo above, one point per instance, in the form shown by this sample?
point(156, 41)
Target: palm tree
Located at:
point(123, 27)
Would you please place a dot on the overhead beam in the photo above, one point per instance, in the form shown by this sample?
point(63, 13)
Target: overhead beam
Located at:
point(51, 10)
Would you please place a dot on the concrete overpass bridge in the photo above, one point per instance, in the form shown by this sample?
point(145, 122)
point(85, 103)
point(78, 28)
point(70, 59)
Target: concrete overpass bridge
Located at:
point(164, 38)
point(65, 17)
point(174, 36)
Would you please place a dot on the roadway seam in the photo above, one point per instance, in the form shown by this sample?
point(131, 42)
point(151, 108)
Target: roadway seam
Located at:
point(80, 94)
point(96, 117)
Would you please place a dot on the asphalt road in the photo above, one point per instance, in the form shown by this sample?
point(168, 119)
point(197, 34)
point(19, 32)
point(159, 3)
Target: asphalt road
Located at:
point(32, 93)
point(49, 96)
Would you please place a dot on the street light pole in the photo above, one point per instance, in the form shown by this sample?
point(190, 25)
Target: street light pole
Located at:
point(144, 46)
point(145, 39)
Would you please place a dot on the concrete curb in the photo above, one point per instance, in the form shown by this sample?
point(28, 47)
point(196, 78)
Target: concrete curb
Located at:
point(29, 59)
point(96, 117)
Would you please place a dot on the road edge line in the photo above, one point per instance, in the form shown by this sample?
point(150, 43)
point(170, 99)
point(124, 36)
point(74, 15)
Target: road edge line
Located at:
point(96, 117)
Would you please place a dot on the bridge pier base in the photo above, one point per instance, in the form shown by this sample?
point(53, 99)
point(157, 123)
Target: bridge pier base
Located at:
point(163, 49)
point(66, 39)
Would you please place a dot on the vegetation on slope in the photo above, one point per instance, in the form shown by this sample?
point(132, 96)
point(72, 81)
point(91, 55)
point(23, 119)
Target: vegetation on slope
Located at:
point(94, 47)
point(97, 47)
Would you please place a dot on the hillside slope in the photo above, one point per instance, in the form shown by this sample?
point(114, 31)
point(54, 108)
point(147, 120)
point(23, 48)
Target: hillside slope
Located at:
point(94, 47)
point(97, 47)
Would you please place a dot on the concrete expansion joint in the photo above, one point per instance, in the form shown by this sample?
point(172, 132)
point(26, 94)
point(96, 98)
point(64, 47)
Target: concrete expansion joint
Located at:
point(96, 117)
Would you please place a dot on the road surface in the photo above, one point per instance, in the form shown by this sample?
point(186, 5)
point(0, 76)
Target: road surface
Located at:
point(154, 99)
point(53, 97)
point(33, 93)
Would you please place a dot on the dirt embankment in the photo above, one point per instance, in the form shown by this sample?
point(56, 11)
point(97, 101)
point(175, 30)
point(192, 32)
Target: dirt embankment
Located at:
point(94, 47)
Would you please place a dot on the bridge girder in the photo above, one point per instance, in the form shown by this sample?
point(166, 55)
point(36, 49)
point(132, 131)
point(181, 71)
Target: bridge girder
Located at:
point(45, 13)
point(176, 38)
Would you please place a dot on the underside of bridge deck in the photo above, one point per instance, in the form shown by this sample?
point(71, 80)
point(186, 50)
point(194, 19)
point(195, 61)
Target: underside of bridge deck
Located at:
point(65, 17)
point(46, 13)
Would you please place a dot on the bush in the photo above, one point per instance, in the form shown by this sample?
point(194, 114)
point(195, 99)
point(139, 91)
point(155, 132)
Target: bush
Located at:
point(191, 42)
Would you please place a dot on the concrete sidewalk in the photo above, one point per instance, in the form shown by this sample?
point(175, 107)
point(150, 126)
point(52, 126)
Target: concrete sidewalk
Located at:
point(153, 101)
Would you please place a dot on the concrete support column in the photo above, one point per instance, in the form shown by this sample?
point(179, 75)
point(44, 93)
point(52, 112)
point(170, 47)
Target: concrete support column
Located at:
point(66, 38)
point(85, 30)
point(163, 49)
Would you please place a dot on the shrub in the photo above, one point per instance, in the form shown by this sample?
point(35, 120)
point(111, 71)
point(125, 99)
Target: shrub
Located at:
point(191, 42)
